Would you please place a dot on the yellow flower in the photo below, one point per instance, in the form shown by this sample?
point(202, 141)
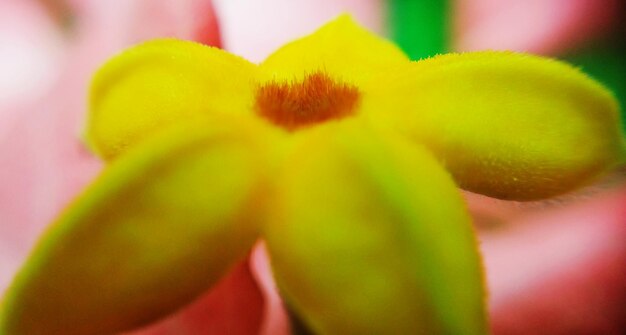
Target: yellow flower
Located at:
point(334, 150)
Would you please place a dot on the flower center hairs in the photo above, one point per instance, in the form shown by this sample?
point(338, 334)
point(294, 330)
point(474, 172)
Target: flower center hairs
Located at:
point(316, 99)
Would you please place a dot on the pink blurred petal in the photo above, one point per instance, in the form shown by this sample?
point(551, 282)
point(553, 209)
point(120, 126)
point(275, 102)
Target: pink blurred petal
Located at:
point(537, 26)
point(275, 320)
point(43, 163)
point(121, 23)
point(560, 272)
point(43, 167)
point(235, 306)
point(31, 49)
point(254, 29)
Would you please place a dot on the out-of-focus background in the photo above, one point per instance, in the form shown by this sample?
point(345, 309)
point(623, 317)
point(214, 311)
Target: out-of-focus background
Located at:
point(552, 268)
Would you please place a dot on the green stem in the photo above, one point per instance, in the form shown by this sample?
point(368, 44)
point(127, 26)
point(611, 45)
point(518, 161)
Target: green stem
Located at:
point(420, 27)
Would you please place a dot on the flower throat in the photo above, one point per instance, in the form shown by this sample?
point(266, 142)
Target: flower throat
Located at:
point(316, 99)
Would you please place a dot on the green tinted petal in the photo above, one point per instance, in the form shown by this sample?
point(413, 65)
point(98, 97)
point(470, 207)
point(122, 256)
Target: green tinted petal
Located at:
point(159, 227)
point(507, 125)
point(369, 236)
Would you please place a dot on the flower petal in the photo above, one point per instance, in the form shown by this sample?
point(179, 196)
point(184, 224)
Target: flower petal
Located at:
point(159, 83)
point(157, 229)
point(507, 125)
point(341, 48)
point(369, 236)
point(234, 306)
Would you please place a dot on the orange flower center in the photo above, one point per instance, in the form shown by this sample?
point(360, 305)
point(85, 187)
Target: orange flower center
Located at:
point(318, 98)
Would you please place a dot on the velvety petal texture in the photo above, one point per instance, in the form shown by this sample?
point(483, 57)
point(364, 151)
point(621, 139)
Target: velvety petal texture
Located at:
point(334, 149)
point(158, 228)
point(341, 49)
point(507, 125)
point(370, 236)
point(159, 83)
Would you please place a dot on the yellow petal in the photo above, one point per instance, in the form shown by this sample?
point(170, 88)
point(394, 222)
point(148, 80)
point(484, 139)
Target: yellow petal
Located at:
point(507, 125)
point(369, 236)
point(159, 227)
point(159, 83)
point(342, 49)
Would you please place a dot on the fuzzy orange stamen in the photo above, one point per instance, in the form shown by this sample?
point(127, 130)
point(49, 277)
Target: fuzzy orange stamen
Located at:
point(318, 98)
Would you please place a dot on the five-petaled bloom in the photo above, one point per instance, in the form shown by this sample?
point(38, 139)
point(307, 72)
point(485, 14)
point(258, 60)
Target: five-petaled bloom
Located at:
point(338, 151)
